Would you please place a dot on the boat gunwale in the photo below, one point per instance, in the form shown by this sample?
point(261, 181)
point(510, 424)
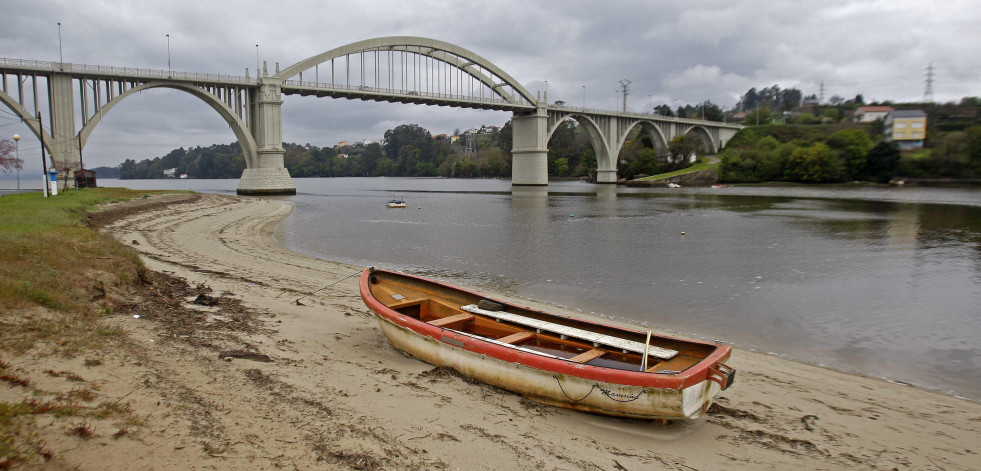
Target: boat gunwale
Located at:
point(691, 376)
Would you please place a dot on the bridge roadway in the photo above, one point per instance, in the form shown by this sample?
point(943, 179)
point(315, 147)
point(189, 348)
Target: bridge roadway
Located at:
point(398, 69)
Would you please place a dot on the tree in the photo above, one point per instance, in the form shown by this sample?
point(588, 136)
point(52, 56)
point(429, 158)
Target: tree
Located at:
point(815, 164)
point(663, 110)
point(852, 146)
point(8, 157)
point(790, 99)
point(758, 116)
point(883, 160)
point(407, 134)
point(505, 140)
point(974, 147)
point(681, 147)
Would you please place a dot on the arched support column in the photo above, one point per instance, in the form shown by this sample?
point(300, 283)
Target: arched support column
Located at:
point(529, 153)
point(269, 176)
point(246, 142)
point(29, 120)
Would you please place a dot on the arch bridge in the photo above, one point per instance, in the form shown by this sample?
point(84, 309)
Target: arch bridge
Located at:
point(398, 69)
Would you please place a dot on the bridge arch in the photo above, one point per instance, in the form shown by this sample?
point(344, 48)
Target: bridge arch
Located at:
point(597, 138)
point(28, 119)
point(245, 139)
point(703, 134)
point(451, 54)
point(658, 139)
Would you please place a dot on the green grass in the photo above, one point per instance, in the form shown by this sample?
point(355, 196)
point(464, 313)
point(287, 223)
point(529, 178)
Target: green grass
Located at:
point(53, 268)
point(694, 168)
point(51, 258)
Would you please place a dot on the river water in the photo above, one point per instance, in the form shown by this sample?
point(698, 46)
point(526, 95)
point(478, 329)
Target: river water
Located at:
point(877, 281)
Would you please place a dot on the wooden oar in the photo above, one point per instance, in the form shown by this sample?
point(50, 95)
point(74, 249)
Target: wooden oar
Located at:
point(647, 346)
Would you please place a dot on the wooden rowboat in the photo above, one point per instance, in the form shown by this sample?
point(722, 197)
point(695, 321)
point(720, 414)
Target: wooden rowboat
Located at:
point(549, 358)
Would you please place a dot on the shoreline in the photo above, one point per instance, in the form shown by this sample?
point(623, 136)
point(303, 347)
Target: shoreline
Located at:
point(336, 390)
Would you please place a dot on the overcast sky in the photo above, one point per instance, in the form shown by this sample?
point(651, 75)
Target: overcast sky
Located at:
point(674, 52)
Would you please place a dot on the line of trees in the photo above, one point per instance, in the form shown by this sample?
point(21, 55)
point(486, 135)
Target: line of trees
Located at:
point(830, 154)
point(408, 150)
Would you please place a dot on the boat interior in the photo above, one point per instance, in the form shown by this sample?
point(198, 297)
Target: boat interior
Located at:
point(544, 334)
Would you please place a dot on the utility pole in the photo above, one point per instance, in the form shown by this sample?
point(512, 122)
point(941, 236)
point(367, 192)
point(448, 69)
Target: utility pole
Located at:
point(821, 96)
point(928, 91)
point(44, 165)
point(625, 85)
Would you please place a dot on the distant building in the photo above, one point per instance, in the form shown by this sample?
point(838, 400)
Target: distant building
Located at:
point(341, 144)
point(367, 141)
point(170, 172)
point(454, 138)
point(868, 114)
point(906, 128)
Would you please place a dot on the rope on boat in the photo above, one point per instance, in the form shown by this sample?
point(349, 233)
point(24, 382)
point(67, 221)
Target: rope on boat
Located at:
point(606, 392)
point(298, 303)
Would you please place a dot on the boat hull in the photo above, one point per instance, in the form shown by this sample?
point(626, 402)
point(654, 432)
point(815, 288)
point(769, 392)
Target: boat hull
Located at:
point(554, 388)
point(575, 386)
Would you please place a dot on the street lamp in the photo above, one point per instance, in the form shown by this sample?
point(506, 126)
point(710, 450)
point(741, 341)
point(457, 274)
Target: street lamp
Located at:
point(584, 98)
point(169, 73)
point(17, 158)
point(257, 73)
point(61, 56)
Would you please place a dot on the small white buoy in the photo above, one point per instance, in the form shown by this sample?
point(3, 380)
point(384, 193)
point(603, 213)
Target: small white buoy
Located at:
point(682, 232)
point(136, 316)
point(572, 215)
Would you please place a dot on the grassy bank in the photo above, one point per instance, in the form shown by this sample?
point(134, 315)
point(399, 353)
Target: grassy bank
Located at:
point(694, 168)
point(57, 274)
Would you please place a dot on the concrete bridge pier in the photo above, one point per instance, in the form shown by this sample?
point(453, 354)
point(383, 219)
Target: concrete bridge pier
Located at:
point(64, 144)
point(267, 176)
point(606, 176)
point(529, 153)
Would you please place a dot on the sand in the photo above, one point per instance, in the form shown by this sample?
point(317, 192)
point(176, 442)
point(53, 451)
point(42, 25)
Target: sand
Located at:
point(337, 395)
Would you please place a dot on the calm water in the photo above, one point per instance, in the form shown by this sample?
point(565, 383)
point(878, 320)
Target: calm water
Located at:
point(881, 282)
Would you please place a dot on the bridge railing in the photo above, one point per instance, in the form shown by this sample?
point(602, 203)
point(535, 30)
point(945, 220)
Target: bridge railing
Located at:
point(629, 114)
point(26, 63)
point(126, 71)
point(407, 93)
point(156, 73)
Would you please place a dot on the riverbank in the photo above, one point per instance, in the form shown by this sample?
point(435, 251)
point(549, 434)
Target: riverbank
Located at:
point(336, 394)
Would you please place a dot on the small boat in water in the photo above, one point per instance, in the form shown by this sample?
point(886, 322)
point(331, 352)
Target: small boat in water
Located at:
point(553, 359)
point(395, 203)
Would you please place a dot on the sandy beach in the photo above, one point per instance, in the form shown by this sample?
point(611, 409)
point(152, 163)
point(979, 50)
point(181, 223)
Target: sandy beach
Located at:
point(334, 394)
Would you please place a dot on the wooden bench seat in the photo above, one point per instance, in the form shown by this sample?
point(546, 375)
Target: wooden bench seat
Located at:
point(516, 337)
point(586, 357)
point(447, 322)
